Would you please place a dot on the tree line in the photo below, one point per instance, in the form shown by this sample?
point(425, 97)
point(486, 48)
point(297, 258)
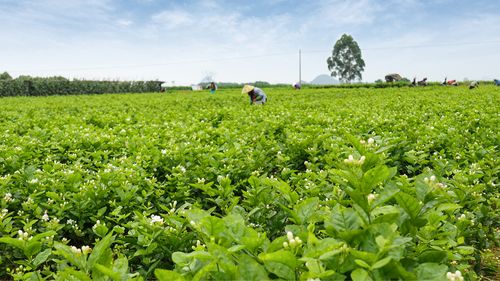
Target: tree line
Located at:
point(38, 86)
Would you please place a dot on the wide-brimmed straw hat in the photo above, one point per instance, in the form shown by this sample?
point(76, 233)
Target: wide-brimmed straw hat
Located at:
point(247, 89)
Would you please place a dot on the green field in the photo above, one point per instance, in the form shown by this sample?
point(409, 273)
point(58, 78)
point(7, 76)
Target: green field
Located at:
point(318, 184)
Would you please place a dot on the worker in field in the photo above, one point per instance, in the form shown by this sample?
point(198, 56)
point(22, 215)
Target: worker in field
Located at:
point(212, 87)
point(473, 85)
point(449, 82)
point(497, 82)
point(257, 96)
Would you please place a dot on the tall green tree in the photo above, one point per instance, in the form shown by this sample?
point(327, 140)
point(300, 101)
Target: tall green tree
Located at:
point(346, 62)
point(5, 76)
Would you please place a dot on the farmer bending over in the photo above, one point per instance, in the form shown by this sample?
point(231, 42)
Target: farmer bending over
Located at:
point(212, 87)
point(257, 96)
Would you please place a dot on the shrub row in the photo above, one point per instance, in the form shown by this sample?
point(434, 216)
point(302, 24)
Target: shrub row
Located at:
point(61, 86)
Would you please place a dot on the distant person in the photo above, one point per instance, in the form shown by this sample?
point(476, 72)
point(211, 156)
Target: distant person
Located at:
point(449, 82)
point(422, 82)
point(257, 96)
point(473, 85)
point(212, 87)
point(296, 86)
point(497, 82)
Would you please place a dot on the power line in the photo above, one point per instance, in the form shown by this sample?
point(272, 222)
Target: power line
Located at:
point(434, 45)
point(162, 64)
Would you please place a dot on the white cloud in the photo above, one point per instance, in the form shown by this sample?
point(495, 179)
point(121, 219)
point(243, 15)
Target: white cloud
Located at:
point(172, 19)
point(346, 12)
point(124, 23)
point(94, 39)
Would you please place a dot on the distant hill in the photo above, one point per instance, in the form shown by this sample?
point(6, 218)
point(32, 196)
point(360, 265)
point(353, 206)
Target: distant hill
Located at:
point(324, 79)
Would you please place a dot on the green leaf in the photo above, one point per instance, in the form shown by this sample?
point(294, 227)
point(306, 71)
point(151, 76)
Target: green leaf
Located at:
point(466, 250)
point(381, 263)
point(343, 220)
point(212, 226)
point(101, 252)
point(20, 244)
point(253, 239)
point(387, 213)
point(306, 209)
point(286, 191)
point(249, 269)
point(411, 206)
point(41, 257)
point(385, 195)
point(362, 263)
point(431, 272)
point(448, 207)
point(180, 258)
point(168, 275)
point(282, 263)
point(236, 248)
point(108, 272)
point(43, 235)
point(101, 211)
point(235, 226)
point(360, 275)
point(32, 248)
point(121, 264)
point(432, 256)
point(376, 176)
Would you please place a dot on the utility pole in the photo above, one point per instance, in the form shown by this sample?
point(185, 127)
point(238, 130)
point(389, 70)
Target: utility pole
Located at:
point(300, 68)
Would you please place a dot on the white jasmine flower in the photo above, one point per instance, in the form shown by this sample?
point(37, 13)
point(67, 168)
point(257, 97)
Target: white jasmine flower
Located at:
point(371, 141)
point(156, 219)
point(97, 223)
point(371, 197)
point(457, 276)
point(45, 216)
point(219, 178)
point(351, 160)
point(86, 250)
point(361, 160)
point(8, 197)
point(23, 235)
point(75, 250)
point(441, 185)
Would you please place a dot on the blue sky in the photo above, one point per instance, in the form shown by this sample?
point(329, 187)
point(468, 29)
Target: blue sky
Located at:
point(241, 41)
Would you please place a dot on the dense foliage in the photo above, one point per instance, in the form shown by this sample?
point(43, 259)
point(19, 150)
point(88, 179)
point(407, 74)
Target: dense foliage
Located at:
point(35, 86)
point(319, 184)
